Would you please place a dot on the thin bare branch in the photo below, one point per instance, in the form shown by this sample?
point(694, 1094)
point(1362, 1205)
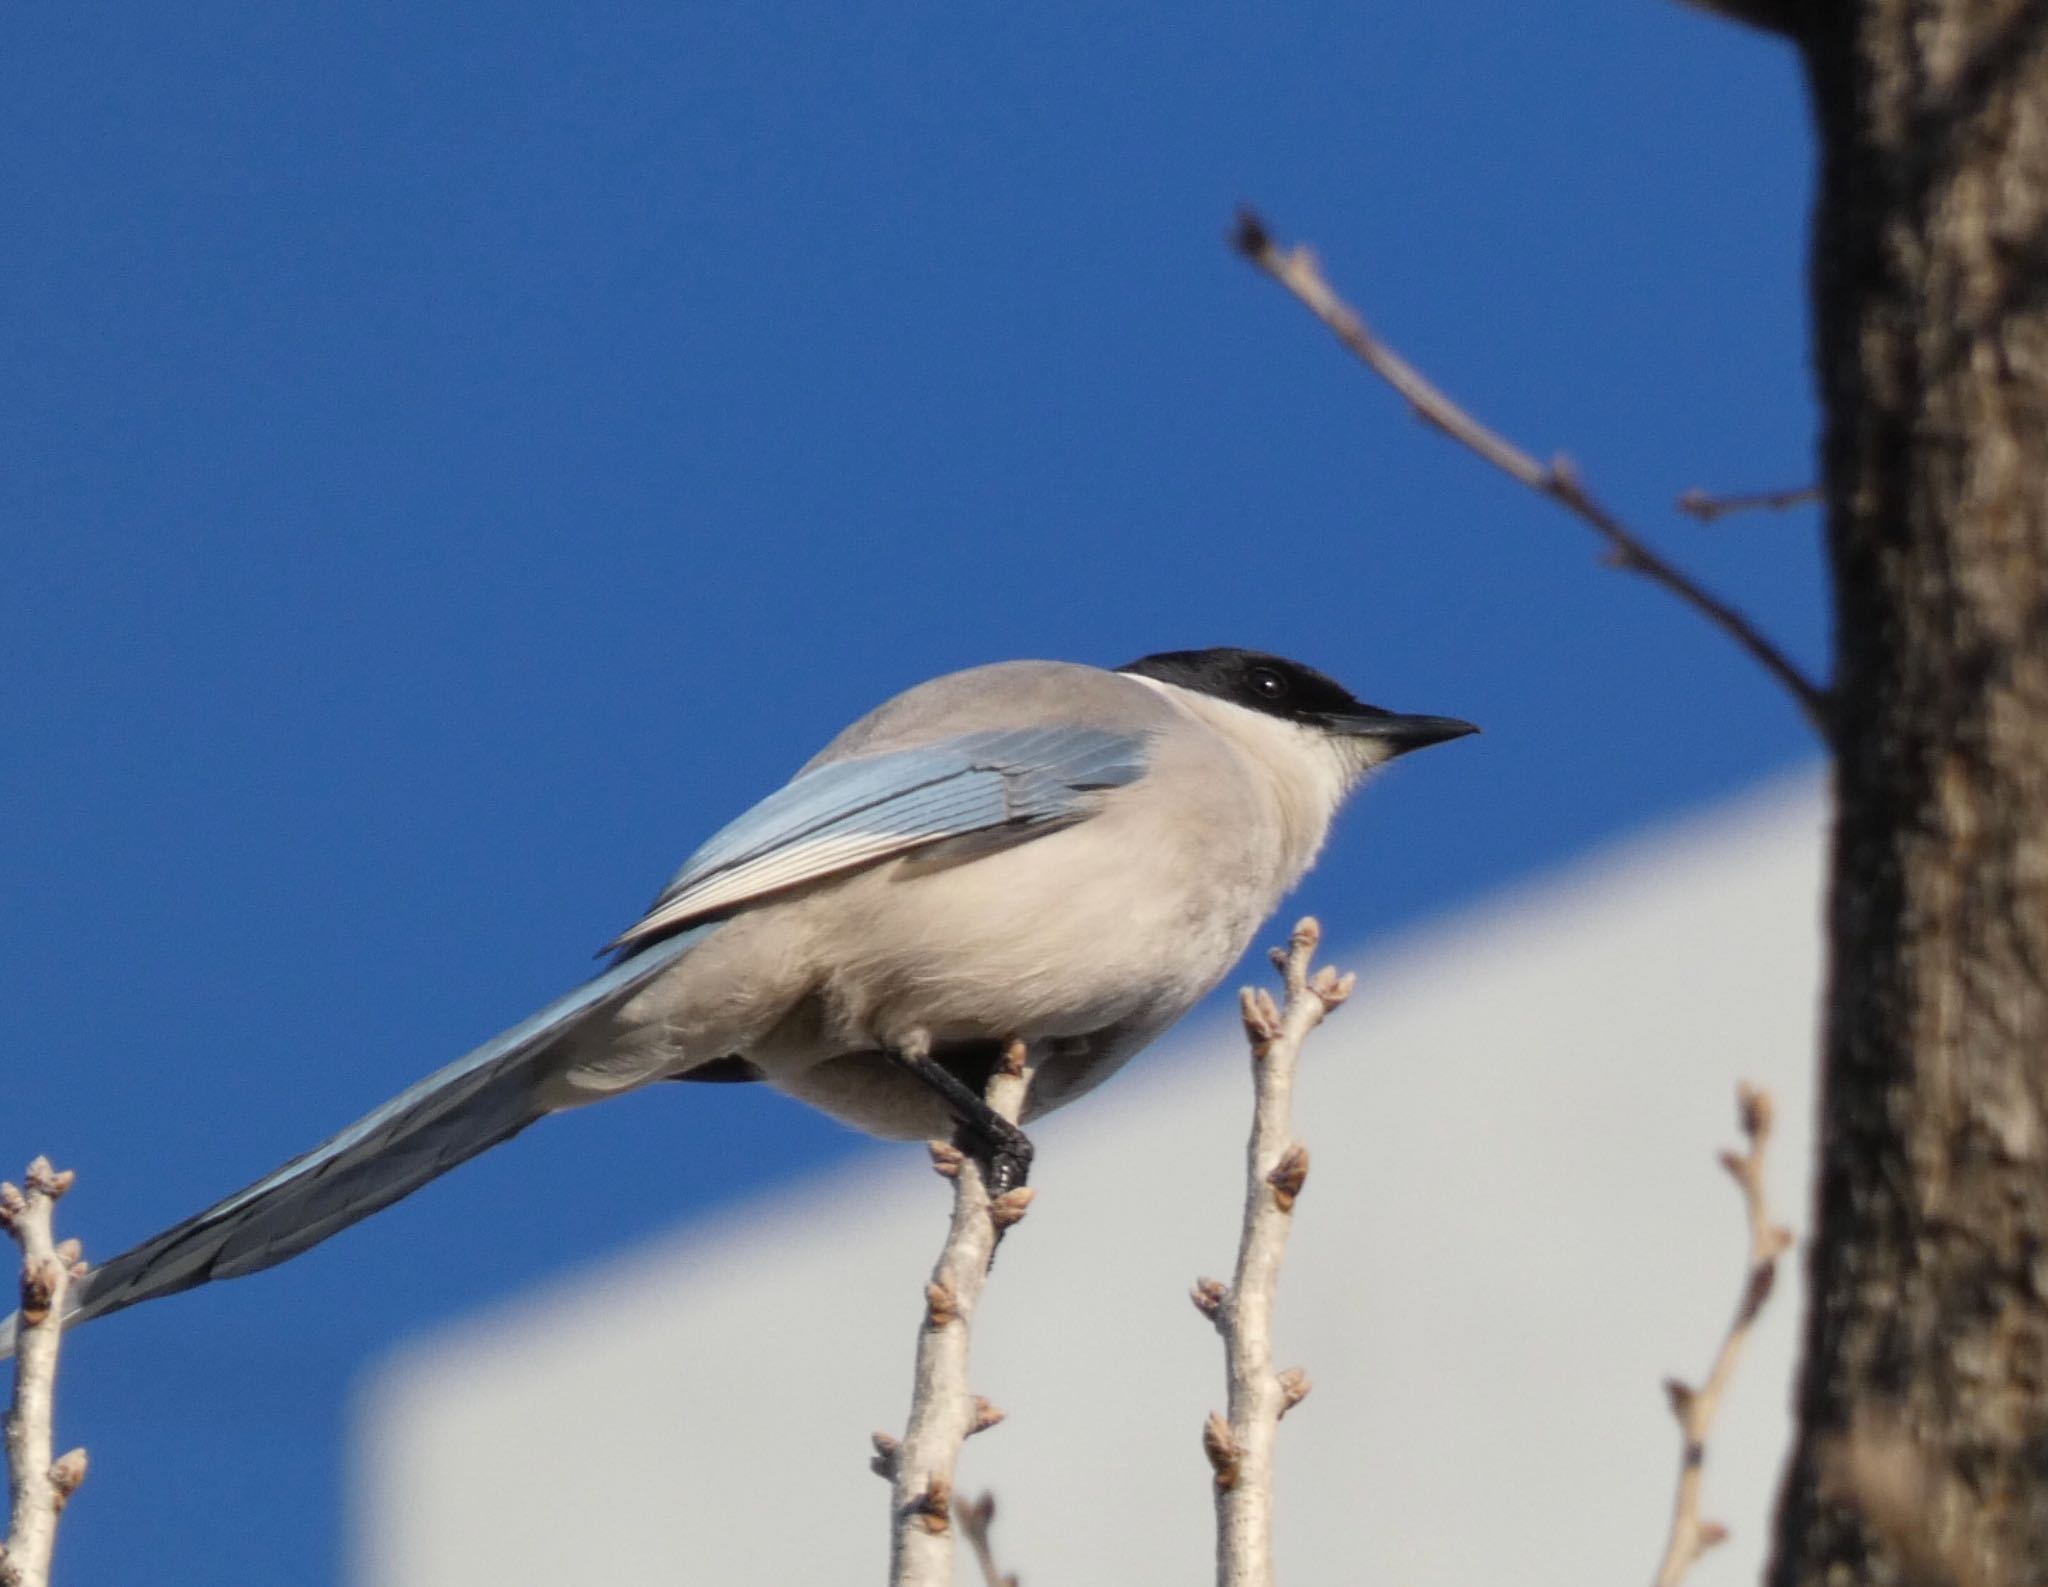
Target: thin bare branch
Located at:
point(1707, 507)
point(1298, 271)
point(1695, 1408)
point(42, 1483)
point(1240, 1445)
point(976, 1517)
point(943, 1411)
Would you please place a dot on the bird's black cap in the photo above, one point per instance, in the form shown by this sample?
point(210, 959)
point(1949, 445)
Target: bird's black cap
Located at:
point(1292, 691)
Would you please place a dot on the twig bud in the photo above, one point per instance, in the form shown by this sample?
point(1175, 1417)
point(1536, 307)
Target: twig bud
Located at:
point(986, 1415)
point(1763, 1278)
point(933, 1509)
point(1220, 1446)
point(1333, 988)
point(1681, 1397)
point(66, 1473)
point(1755, 1110)
point(1209, 1294)
point(39, 1281)
point(946, 1158)
point(941, 1305)
point(1294, 1387)
point(1261, 1017)
point(888, 1451)
point(1250, 237)
point(1010, 1206)
point(1016, 1059)
point(1288, 1176)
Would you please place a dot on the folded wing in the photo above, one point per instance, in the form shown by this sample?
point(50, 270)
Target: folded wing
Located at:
point(853, 813)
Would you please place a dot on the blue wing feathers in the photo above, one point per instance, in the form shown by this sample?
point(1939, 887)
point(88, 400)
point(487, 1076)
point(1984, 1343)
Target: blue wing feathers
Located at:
point(1019, 774)
point(849, 813)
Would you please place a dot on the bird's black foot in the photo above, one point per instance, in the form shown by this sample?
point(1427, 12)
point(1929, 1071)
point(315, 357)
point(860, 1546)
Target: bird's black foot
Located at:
point(1005, 1155)
point(1002, 1149)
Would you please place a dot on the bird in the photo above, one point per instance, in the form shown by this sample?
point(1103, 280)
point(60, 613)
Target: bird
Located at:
point(1038, 851)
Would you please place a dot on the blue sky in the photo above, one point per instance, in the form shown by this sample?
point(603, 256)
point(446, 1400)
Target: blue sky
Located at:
point(455, 457)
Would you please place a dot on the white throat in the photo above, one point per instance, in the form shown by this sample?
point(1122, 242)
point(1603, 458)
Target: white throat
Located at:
point(1309, 771)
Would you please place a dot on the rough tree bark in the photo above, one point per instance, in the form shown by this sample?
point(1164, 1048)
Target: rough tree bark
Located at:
point(1929, 1256)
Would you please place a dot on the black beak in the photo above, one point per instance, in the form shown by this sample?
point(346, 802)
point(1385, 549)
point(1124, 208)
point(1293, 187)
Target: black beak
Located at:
point(1401, 733)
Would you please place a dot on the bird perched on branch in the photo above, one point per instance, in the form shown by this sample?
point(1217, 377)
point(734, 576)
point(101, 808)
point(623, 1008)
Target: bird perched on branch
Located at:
point(1031, 851)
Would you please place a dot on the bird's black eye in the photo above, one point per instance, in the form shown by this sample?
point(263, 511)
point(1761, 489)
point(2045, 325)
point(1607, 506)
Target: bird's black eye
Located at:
point(1268, 684)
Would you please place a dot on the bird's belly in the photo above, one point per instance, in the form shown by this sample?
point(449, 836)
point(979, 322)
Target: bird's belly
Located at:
point(1081, 937)
point(1034, 942)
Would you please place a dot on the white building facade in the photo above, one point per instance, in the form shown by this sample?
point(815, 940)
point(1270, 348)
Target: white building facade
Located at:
point(1513, 1232)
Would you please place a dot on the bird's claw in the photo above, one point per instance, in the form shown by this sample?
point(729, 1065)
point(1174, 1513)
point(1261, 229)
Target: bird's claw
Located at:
point(1005, 1157)
point(1008, 1169)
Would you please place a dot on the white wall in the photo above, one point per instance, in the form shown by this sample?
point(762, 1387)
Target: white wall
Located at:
point(1514, 1229)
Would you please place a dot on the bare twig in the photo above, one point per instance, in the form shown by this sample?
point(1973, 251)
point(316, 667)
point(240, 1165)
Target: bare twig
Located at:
point(42, 1485)
point(943, 1413)
point(1240, 1445)
point(976, 1517)
point(1707, 507)
point(1690, 1536)
point(1298, 271)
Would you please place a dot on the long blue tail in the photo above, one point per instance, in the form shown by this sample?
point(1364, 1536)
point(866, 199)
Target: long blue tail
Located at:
point(483, 1098)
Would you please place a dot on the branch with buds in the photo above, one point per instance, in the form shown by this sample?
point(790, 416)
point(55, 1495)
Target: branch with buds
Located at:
point(1301, 274)
point(1695, 1408)
point(42, 1485)
point(1239, 1444)
point(944, 1413)
point(1707, 507)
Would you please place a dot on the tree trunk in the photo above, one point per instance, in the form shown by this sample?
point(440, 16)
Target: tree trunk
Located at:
point(1929, 1256)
